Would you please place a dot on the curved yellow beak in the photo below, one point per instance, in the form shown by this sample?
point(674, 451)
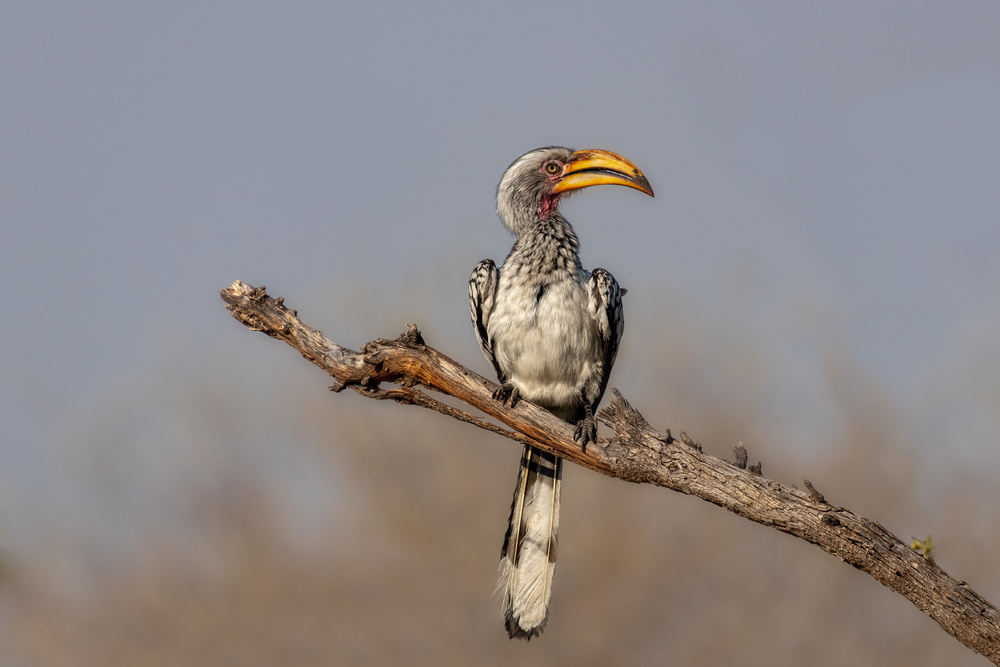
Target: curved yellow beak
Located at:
point(599, 167)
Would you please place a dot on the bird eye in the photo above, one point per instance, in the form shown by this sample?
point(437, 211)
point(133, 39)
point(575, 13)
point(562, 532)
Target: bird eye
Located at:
point(552, 168)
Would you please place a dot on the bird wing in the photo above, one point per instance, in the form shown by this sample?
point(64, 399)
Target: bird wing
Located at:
point(482, 295)
point(605, 306)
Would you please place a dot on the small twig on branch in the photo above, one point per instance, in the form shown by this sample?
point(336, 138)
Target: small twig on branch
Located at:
point(637, 453)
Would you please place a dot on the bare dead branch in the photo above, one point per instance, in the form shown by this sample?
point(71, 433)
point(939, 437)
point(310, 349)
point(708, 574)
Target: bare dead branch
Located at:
point(637, 453)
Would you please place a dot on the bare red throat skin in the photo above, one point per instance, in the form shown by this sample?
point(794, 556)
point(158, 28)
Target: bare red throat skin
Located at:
point(549, 203)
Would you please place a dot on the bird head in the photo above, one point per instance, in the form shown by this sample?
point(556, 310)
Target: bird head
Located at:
point(532, 186)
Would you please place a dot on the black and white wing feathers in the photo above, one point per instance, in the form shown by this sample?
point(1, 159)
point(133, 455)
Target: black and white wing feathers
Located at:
point(605, 306)
point(482, 296)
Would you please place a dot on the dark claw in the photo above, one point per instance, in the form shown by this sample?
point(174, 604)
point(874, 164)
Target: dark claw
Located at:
point(507, 391)
point(586, 429)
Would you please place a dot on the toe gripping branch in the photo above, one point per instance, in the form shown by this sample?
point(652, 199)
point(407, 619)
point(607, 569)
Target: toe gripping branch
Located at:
point(506, 391)
point(586, 428)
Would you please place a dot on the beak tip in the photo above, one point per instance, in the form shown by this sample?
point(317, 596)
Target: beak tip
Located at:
point(646, 187)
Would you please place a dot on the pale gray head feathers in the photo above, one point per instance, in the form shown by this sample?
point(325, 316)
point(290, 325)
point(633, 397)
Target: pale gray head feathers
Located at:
point(525, 185)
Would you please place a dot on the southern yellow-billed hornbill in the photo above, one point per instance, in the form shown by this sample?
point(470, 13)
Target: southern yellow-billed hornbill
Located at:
point(550, 330)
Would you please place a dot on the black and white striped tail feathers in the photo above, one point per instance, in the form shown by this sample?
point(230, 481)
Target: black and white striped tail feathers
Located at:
point(528, 557)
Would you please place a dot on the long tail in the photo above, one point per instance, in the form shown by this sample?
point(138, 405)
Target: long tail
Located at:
point(528, 558)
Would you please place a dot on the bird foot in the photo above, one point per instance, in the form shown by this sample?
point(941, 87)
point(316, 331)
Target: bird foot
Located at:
point(507, 391)
point(586, 429)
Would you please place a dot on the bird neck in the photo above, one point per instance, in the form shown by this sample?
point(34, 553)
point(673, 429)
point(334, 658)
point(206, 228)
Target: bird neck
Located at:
point(548, 245)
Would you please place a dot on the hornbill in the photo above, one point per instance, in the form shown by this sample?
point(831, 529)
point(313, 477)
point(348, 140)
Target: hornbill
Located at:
point(550, 330)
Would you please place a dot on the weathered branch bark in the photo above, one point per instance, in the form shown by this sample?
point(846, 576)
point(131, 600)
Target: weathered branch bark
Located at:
point(637, 453)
